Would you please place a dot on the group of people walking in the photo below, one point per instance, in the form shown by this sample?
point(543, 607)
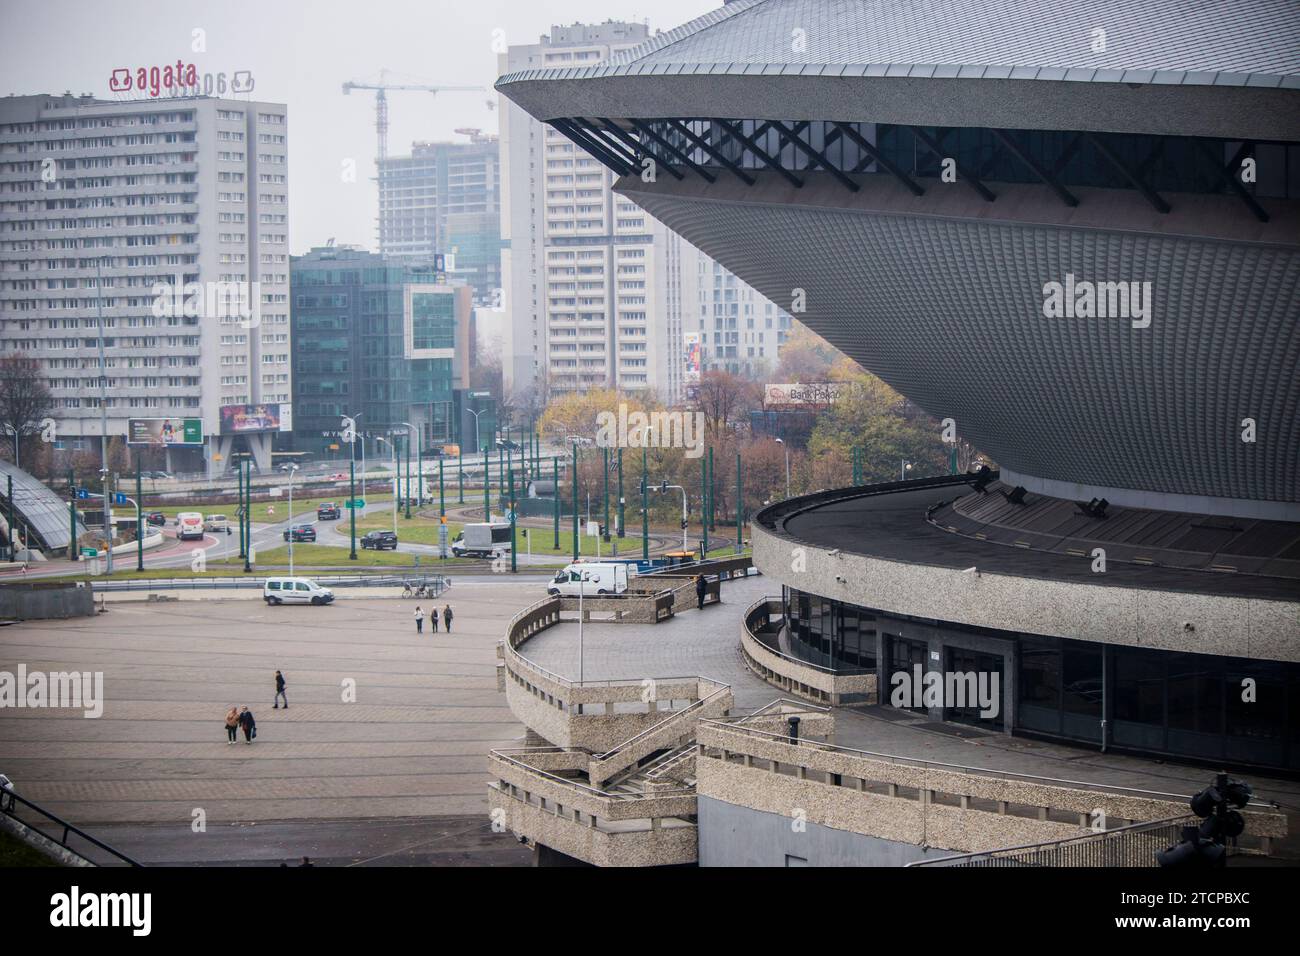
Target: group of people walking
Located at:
point(447, 617)
point(241, 718)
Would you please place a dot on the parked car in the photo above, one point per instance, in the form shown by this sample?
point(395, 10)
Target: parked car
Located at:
point(379, 540)
point(328, 511)
point(156, 517)
point(301, 532)
point(295, 591)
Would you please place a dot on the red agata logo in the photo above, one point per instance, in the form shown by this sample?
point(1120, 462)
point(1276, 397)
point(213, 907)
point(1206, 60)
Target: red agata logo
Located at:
point(153, 79)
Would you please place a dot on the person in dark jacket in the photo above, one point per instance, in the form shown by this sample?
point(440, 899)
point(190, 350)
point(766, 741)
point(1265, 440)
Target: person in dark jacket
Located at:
point(446, 617)
point(433, 618)
point(701, 588)
point(248, 724)
point(279, 692)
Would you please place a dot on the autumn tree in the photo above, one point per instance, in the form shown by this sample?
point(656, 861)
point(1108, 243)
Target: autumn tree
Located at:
point(806, 356)
point(25, 401)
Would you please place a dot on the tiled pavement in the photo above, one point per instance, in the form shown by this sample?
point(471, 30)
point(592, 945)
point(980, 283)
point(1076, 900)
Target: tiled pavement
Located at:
point(412, 745)
point(407, 756)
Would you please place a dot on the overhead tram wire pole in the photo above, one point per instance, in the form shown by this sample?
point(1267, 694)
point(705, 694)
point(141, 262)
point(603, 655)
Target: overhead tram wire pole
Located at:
point(514, 544)
point(410, 437)
point(645, 508)
point(243, 543)
point(139, 517)
point(248, 516)
point(574, 482)
point(555, 494)
point(605, 461)
point(460, 474)
point(622, 503)
point(704, 507)
point(352, 510)
point(740, 507)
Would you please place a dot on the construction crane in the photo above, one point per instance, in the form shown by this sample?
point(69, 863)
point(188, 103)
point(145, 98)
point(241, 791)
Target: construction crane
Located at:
point(381, 101)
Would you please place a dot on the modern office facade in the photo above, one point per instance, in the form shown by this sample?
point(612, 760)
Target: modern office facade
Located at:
point(1084, 255)
point(599, 294)
point(445, 198)
point(382, 341)
point(121, 207)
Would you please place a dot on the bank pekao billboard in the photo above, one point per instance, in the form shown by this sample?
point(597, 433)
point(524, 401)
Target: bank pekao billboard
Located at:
point(806, 395)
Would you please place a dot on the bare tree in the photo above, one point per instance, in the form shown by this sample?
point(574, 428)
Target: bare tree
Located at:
point(25, 400)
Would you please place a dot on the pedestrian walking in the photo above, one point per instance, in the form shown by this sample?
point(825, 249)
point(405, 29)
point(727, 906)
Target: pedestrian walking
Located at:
point(279, 692)
point(248, 724)
point(446, 617)
point(232, 724)
point(701, 588)
point(419, 620)
point(433, 618)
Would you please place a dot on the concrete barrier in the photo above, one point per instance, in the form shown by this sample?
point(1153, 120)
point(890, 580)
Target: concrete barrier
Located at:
point(39, 602)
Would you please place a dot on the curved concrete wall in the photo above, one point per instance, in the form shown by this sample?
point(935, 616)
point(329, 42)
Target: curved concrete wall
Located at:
point(1235, 627)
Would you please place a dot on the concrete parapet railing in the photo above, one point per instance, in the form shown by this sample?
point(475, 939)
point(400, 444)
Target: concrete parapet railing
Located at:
point(712, 700)
point(924, 803)
point(596, 715)
point(651, 828)
point(804, 679)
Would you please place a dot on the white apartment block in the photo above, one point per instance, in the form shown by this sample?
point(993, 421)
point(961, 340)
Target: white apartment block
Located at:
point(100, 201)
point(598, 292)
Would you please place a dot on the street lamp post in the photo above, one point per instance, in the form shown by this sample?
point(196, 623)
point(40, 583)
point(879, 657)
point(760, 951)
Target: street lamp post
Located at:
point(397, 480)
point(781, 442)
point(290, 470)
point(582, 583)
point(411, 437)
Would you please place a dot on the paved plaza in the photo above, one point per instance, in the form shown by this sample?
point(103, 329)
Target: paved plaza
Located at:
point(412, 745)
point(399, 775)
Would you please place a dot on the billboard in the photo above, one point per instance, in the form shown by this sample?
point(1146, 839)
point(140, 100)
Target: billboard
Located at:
point(164, 431)
point(806, 394)
point(693, 355)
point(248, 419)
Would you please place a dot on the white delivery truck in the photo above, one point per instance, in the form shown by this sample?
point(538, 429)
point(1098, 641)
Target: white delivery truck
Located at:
point(484, 540)
point(189, 525)
point(601, 578)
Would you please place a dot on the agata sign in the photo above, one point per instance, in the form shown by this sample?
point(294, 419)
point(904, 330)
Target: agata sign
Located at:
point(153, 80)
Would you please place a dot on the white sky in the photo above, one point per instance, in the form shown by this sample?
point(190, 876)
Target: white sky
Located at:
point(301, 53)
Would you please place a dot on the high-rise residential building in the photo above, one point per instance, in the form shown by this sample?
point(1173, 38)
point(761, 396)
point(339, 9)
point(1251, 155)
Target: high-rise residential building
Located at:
point(445, 198)
point(382, 341)
point(740, 331)
point(168, 217)
point(598, 292)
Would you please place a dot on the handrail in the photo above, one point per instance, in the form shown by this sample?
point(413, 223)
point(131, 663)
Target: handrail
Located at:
point(1183, 818)
point(924, 764)
point(573, 784)
point(7, 798)
point(777, 513)
point(821, 668)
point(256, 581)
point(676, 715)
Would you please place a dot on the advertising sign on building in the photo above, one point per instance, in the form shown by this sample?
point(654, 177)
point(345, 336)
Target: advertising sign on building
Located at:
point(164, 431)
point(804, 394)
point(246, 419)
point(693, 355)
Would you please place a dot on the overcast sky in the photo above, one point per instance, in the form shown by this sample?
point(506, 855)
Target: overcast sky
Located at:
point(300, 53)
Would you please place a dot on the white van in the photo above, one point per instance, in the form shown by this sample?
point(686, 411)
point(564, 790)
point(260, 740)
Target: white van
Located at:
point(189, 524)
point(601, 579)
point(295, 591)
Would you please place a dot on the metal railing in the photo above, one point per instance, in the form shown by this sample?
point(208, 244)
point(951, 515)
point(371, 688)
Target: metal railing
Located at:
point(45, 819)
point(440, 582)
point(614, 795)
point(752, 613)
point(1133, 845)
point(773, 516)
point(818, 745)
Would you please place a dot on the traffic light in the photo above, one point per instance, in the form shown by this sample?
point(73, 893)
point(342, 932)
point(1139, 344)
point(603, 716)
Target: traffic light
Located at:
point(663, 489)
point(684, 523)
point(643, 484)
point(1203, 847)
point(602, 531)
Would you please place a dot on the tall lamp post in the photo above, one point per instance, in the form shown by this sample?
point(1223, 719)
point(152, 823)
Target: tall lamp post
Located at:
point(411, 437)
point(290, 469)
point(786, 448)
point(397, 480)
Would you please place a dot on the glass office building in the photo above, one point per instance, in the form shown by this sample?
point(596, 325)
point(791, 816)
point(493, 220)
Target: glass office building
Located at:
point(384, 341)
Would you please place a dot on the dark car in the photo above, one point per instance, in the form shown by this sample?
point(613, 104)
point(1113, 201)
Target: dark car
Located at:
point(156, 517)
point(302, 532)
point(379, 540)
point(328, 511)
